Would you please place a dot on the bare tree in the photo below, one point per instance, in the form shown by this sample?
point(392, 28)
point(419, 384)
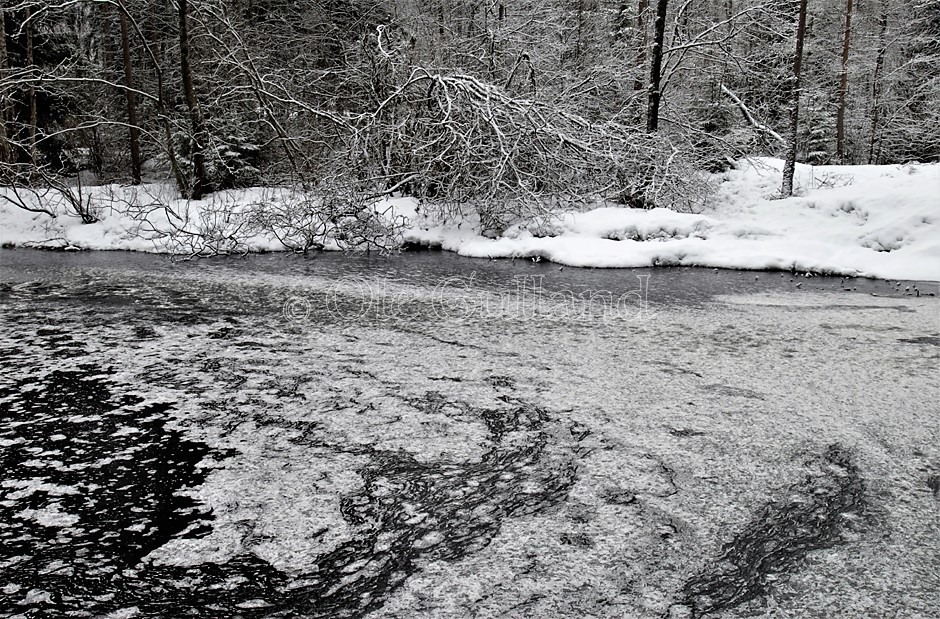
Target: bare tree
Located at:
point(5, 151)
point(877, 79)
point(199, 185)
point(656, 66)
point(129, 95)
point(843, 83)
point(30, 62)
point(789, 165)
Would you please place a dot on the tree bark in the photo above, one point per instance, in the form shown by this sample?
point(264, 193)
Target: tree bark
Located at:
point(655, 94)
point(33, 113)
point(129, 94)
point(790, 164)
point(843, 83)
point(200, 182)
point(4, 103)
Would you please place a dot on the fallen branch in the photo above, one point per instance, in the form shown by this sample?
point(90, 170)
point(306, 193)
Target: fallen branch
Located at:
point(750, 117)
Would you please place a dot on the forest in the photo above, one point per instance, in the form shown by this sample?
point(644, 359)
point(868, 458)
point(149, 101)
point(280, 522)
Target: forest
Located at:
point(501, 107)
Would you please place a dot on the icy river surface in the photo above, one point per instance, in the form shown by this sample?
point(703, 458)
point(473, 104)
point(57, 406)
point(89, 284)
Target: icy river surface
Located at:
point(427, 436)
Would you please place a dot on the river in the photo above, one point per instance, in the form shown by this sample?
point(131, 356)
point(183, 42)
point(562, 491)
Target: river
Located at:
point(423, 435)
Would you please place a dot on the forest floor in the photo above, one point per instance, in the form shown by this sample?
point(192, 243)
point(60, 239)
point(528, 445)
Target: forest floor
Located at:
point(874, 221)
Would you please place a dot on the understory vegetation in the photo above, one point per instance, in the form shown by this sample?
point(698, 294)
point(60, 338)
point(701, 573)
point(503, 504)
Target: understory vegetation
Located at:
point(492, 110)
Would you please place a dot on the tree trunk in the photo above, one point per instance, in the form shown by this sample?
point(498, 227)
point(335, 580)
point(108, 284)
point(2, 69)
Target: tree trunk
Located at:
point(200, 183)
point(4, 102)
point(33, 115)
point(659, 28)
point(876, 86)
point(131, 103)
point(105, 12)
point(843, 83)
point(790, 164)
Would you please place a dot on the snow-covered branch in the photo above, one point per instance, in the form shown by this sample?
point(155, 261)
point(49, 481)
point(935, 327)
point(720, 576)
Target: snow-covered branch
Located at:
point(750, 117)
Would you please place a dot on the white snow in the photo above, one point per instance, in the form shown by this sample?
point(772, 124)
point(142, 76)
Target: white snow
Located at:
point(124, 613)
point(36, 596)
point(253, 604)
point(49, 516)
point(875, 221)
point(26, 487)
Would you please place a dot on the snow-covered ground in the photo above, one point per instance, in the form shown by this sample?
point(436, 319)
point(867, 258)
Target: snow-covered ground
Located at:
point(149, 218)
point(876, 221)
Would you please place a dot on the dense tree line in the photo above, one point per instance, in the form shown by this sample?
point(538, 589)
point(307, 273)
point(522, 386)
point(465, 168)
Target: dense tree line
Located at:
point(515, 102)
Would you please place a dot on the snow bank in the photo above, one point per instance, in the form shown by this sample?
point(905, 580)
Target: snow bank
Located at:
point(129, 218)
point(155, 218)
point(875, 221)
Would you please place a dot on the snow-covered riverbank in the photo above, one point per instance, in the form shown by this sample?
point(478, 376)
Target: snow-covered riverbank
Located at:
point(876, 221)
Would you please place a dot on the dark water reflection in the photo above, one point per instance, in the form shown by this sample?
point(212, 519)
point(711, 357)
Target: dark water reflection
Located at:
point(666, 285)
